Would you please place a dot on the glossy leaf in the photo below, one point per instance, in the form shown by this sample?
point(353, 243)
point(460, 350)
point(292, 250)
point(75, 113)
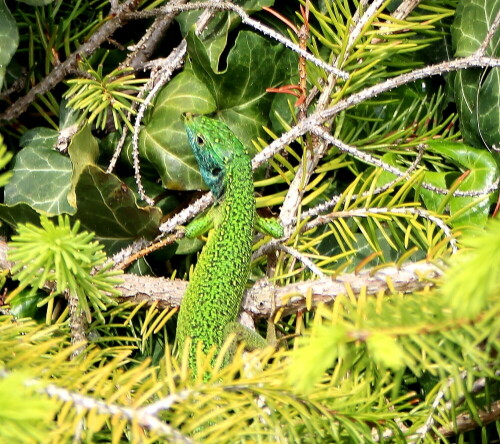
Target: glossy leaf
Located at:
point(18, 214)
point(41, 179)
point(163, 141)
point(40, 137)
point(215, 35)
point(253, 64)
point(83, 150)
point(473, 19)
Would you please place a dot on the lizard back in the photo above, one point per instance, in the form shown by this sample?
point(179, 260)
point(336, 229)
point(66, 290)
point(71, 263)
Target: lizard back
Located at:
point(214, 293)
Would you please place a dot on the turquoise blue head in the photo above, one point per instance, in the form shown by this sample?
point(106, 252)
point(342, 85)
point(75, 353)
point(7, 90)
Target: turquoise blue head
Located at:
point(215, 146)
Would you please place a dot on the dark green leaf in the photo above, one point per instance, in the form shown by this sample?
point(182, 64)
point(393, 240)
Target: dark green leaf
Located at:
point(108, 207)
point(477, 92)
point(253, 64)
point(40, 137)
point(18, 214)
point(83, 150)
point(473, 19)
point(25, 303)
point(489, 108)
point(216, 33)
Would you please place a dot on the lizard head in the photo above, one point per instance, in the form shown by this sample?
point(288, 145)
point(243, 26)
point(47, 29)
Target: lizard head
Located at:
point(214, 146)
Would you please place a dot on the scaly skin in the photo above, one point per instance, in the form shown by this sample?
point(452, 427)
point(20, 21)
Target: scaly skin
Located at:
point(213, 296)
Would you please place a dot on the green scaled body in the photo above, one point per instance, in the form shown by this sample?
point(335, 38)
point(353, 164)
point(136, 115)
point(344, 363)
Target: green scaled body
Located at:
point(213, 297)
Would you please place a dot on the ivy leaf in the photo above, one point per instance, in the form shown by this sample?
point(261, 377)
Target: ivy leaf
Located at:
point(163, 141)
point(483, 171)
point(216, 33)
point(489, 104)
point(477, 92)
point(253, 64)
point(108, 207)
point(473, 19)
point(9, 38)
point(42, 179)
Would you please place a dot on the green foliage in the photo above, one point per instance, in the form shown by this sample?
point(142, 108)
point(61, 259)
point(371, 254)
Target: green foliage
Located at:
point(409, 366)
point(97, 94)
point(50, 171)
point(59, 254)
point(482, 171)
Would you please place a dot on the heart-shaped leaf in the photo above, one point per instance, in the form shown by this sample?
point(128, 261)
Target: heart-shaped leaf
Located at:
point(163, 141)
point(253, 64)
point(41, 179)
point(215, 35)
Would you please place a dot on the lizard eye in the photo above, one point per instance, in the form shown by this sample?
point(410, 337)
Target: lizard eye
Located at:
point(200, 140)
point(215, 172)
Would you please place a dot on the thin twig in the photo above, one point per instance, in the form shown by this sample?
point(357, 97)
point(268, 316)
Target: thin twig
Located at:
point(159, 78)
point(137, 415)
point(144, 48)
point(319, 117)
point(245, 18)
point(367, 212)
point(302, 258)
point(313, 154)
point(322, 207)
point(391, 169)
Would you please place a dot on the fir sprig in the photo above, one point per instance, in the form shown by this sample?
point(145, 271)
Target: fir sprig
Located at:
point(60, 254)
point(98, 94)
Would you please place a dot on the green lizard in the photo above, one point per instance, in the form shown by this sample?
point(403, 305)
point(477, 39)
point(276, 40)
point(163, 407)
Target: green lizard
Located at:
point(212, 300)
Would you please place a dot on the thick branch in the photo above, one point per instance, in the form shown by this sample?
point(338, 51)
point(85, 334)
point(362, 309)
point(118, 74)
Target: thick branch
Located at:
point(258, 301)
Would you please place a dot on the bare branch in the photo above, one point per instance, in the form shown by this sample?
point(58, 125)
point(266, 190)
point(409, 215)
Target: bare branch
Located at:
point(385, 166)
point(379, 190)
point(245, 18)
point(142, 51)
point(265, 300)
